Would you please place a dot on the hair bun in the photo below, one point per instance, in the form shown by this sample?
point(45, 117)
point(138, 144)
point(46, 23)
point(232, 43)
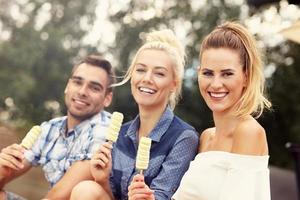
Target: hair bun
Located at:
point(166, 37)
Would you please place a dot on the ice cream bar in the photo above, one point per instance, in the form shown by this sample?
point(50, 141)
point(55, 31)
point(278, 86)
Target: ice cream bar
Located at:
point(31, 137)
point(114, 126)
point(143, 154)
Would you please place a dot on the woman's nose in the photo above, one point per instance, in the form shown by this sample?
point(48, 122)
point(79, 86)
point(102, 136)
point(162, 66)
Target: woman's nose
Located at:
point(216, 82)
point(148, 76)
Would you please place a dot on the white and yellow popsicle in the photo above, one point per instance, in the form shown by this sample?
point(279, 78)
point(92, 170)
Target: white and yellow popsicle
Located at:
point(143, 154)
point(31, 137)
point(114, 127)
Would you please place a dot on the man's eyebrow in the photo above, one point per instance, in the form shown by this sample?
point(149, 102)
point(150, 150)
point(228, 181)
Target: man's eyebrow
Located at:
point(77, 77)
point(95, 83)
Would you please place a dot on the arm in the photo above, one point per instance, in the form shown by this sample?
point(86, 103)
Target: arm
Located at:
point(175, 165)
point(101, 165)
point(79, 171)
point(12, 163)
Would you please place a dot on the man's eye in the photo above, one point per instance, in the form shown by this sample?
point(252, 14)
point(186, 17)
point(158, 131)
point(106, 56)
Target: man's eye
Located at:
point(95, 88)
point(76, 82)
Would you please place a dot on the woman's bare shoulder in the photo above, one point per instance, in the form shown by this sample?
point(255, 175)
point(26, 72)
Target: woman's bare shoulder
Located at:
point(249, 137)
point(205, 138)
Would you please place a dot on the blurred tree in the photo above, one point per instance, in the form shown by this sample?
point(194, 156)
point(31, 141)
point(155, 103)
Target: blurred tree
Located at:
point(38, 40)
point(284, 125)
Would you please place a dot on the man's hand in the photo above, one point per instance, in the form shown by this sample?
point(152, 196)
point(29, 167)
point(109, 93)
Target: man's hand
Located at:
point(138, 190)
point(12, 157)
point(12, 163)
point(101, 164)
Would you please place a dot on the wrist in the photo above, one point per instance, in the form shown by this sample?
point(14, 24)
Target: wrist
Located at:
point(102, 181)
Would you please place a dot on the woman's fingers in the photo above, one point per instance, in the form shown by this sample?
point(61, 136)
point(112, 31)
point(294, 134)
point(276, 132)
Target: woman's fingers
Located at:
point(103, 156)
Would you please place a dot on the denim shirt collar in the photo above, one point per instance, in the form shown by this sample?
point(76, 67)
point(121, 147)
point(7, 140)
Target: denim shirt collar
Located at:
point(160, 128)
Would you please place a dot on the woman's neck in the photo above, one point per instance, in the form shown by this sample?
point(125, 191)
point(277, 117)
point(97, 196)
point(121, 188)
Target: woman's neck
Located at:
point(225, 123)
point(148, 119)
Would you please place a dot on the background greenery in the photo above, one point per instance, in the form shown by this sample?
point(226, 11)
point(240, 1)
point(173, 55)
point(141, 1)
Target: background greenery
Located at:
point(40, 40)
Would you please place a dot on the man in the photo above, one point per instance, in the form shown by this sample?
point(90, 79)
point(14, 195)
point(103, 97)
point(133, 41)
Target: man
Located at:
point(65, 145)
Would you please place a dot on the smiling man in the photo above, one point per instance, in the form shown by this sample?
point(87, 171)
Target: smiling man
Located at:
point(66, 144)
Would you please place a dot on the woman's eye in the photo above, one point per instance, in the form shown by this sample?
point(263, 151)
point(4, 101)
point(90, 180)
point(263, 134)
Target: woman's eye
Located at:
point(227, 74)
point(140, 70)
point(206, 73)
point(160, 74)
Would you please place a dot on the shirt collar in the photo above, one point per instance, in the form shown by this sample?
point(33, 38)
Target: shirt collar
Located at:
point(158, 131)
point(78, 128)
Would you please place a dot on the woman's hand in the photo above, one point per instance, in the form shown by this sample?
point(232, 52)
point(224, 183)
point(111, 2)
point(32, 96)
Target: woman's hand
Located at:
point(138, 190)
point(101, 163)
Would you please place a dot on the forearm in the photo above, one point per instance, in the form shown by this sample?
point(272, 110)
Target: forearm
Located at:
point(58, 193)
point(2, 183)
point(79, 171)
point(5, 176)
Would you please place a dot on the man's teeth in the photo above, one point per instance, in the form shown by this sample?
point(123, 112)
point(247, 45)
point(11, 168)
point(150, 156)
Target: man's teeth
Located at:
point(80, 102)
point(218, 95)
point(147, 90)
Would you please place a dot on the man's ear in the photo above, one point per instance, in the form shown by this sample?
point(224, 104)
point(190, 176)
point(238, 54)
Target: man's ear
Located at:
point(107, 99)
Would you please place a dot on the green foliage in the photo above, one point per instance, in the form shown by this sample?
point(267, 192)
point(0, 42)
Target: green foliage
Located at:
point(36, 59)
point(284, 122)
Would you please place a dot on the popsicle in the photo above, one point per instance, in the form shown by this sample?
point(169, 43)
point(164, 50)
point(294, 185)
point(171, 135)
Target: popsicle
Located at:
point(31, 137)
point(114, 127)
point(143, 154)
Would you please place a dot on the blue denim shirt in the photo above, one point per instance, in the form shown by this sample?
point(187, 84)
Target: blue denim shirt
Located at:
point(55, 150)
point(174, 145)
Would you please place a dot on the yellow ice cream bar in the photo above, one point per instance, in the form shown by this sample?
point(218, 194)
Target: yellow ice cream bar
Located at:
point(143, 154)
point(31, 137)
point(114, 126)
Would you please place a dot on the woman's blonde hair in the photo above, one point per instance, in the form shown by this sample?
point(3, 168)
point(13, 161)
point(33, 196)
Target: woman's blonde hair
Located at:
point(234, 36)
point(164, 40)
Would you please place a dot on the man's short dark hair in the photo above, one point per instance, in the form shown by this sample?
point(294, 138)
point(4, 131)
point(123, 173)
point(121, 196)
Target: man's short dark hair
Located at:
point(99, 61)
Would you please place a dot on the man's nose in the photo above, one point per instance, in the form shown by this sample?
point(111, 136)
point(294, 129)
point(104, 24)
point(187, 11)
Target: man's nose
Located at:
point(83, 90)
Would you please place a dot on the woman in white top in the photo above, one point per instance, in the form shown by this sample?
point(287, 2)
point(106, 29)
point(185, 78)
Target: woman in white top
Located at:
point(233, 159)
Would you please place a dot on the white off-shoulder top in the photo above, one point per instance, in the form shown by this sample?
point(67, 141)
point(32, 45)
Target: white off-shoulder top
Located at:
point(218, 175)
